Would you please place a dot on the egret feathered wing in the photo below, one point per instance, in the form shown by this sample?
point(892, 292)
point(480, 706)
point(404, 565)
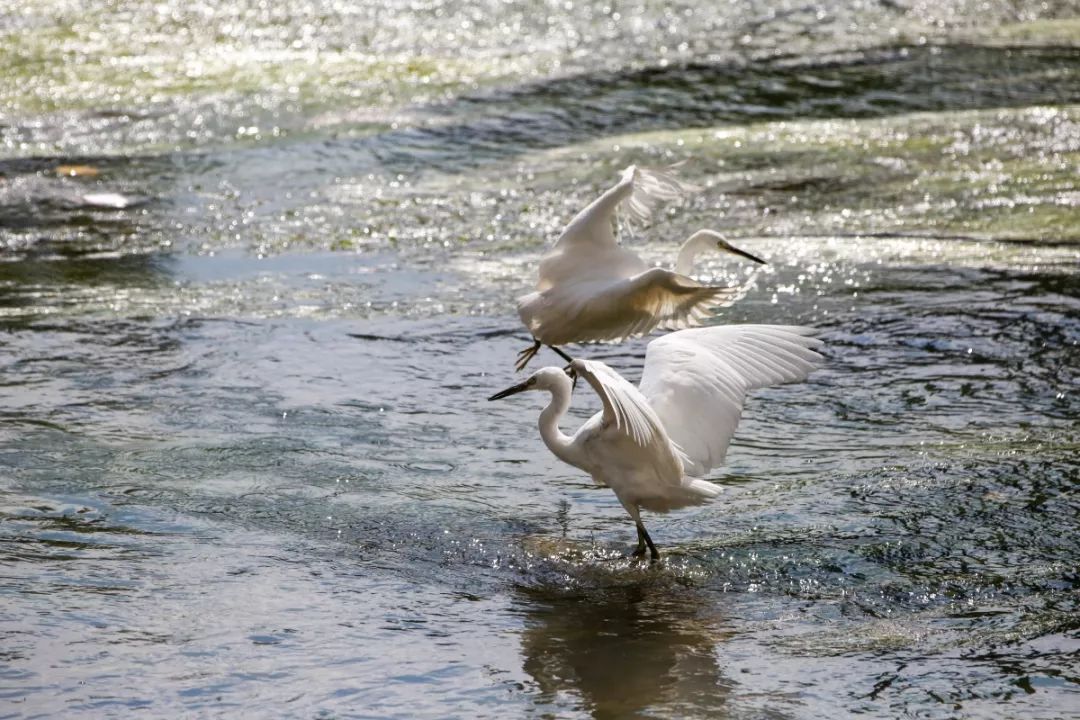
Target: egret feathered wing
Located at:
point(629, 413)
point(659, 297)
point(653, 186)
point(587, 249)
point(696, 381)
point(613, 310)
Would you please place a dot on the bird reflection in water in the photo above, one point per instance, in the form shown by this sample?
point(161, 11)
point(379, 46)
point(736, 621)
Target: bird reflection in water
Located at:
point(626, 651)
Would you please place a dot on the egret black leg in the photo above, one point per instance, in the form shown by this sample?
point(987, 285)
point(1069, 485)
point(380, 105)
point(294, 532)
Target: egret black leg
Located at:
point(640, 549)
point(526, 355)
point(563, 355)
point(644, 540)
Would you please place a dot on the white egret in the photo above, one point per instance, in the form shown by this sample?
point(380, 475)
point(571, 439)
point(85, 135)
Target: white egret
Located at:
point(652, 444)
point(591, 289)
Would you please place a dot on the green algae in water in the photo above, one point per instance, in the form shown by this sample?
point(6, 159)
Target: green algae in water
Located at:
point(1000, 174)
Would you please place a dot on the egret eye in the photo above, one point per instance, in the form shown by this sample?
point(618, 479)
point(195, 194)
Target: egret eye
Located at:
point(531, 381)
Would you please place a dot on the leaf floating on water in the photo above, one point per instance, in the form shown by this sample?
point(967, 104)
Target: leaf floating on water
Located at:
point(77, 170)
point(111, 200)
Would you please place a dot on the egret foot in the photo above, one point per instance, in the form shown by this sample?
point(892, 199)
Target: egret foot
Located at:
point(526, 355)
point(644, 540)
point(530, 352)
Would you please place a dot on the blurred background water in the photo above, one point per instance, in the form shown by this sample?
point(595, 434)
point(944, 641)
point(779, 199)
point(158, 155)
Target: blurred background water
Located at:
point(257, 270)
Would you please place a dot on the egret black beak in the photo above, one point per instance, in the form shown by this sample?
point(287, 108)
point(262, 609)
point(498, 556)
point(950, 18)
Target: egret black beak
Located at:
point(725, 245)
point(520, 387)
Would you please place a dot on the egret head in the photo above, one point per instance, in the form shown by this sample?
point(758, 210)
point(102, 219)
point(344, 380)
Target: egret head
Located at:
point(548, 378)
point(702, 241)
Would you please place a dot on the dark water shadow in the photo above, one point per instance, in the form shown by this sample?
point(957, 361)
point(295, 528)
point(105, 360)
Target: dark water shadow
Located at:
point(625, 651)
point(874, 83)
point(36, 286)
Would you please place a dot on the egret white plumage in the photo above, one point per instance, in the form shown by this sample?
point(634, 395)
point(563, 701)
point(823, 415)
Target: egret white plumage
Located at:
point(592, 289)
point(652, 444)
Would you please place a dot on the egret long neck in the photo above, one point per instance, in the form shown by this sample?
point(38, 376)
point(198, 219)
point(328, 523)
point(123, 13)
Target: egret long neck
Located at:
point(696, 244)
point(560, 444)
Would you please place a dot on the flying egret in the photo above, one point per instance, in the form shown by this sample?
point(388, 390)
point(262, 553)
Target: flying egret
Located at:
point(652, 444)
point(592, 289)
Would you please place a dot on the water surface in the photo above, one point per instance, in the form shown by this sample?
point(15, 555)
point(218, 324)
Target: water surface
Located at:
point(257, 270)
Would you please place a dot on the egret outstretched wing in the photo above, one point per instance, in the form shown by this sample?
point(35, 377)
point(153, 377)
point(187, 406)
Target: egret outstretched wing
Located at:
point(652, 186)
point(616, 310)
point(696, 381)
point(659, 297)
point(587, 249)
point(628, 412)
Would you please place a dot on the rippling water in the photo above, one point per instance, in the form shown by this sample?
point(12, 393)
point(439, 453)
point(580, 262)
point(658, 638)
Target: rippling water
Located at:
point(257, 269)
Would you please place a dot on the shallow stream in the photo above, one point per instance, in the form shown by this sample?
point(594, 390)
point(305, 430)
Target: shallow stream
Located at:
point(257, 270)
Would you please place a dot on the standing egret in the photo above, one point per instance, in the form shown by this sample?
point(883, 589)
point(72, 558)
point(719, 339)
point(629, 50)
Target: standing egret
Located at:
point(652, 444)
point(592, 289)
